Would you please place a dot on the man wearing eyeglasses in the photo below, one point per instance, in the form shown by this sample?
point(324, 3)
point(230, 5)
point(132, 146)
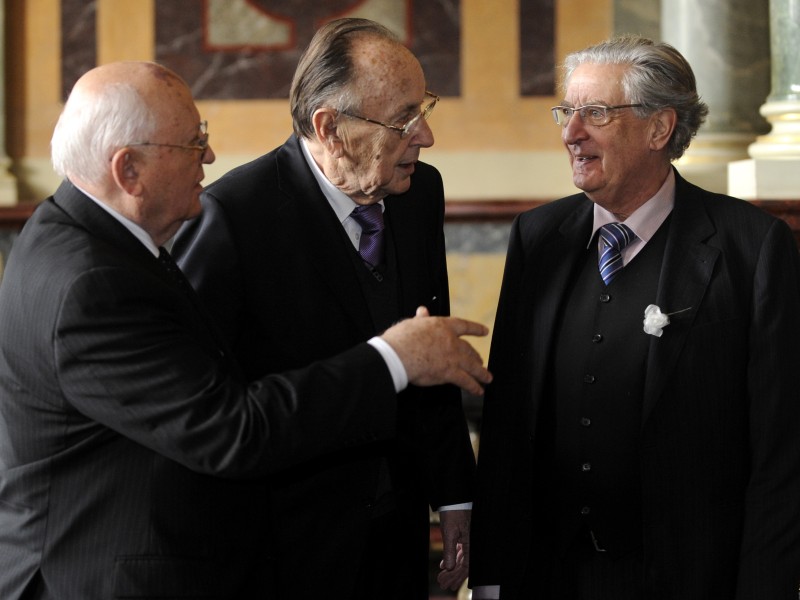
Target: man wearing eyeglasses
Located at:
point(287, 261)
point(132, 451)
point(639, 440)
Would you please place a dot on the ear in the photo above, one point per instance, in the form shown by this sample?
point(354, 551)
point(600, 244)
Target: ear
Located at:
point(125, 170)
point(662, 125)
point(327, 130)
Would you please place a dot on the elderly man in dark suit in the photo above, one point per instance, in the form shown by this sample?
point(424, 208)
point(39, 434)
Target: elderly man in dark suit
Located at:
point(131, 449)
point(286, 251)
point(640, 440)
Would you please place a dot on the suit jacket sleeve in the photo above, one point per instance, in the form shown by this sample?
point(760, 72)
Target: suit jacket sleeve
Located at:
point(128, 359)
point(497, 526)
point(770, 549)
point(450, 458)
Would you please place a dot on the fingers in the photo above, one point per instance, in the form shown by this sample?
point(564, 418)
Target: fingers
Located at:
point(458, 326)
point(449, 550)
point(471, 375)
point(452, 578)
point(433, 352)
point(463, 327)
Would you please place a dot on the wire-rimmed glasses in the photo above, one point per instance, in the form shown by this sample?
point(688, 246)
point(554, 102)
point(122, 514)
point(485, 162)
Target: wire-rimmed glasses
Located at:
point(408, 128)
point(202, 142)
point(591, 114)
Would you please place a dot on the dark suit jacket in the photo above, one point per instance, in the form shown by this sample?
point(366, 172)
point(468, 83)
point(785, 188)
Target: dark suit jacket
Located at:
point(130, 448)
point(271, 259)
point(719, 446)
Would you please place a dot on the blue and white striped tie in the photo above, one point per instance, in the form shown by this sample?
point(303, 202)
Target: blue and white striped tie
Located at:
point(613, 238)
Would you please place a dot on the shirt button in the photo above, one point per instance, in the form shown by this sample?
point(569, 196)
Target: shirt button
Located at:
point(586, 421)
point(586, 467)
point(586, 510)
point(597, 338)
point(605, 298)
point(588, 379)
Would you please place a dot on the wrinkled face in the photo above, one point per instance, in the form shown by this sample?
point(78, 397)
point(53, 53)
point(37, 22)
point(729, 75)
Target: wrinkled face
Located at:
point(171, 175)
point(611, 163)
point(376, 161)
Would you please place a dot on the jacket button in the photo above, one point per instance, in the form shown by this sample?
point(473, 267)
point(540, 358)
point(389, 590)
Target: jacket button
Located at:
point(605, 298)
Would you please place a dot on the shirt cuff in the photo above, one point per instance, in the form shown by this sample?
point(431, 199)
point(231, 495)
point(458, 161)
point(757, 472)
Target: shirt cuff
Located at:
point(462, 506)
point(486, 592)
point(393, 363)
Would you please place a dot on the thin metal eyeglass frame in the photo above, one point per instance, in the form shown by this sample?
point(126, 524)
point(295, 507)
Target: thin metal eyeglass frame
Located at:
point(405, 130)
point(202, 144)
point(562, 119)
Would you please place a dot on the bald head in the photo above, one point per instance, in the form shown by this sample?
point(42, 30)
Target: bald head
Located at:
point(111, 106)
point(130, 136)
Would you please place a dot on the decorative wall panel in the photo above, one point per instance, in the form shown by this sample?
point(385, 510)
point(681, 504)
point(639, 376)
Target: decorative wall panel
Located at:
point(248, 49)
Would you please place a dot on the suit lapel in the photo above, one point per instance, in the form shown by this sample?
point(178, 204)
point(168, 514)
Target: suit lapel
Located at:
point(318, 231)
point(685, 276)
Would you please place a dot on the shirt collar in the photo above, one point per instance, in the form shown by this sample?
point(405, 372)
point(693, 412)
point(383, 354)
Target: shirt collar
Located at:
point(135, 229)
point(646, 219)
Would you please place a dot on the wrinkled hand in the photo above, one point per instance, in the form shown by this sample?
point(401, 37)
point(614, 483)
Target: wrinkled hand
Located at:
point(432, 351)
point(455, 536)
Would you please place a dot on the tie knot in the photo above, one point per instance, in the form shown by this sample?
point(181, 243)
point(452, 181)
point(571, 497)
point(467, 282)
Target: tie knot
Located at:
point(616, 235)
point(370, 217)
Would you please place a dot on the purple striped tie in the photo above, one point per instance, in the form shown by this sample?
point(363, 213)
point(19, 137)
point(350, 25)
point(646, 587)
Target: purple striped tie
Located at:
point(613, 238)
point(370, 218)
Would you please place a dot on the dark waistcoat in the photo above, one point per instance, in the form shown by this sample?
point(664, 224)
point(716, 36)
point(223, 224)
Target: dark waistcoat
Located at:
point(600, 357)
point(381, 288)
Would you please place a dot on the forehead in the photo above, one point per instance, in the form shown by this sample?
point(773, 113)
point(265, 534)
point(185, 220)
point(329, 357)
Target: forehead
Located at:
point(387, 74)
point(178, 111)
point(596, 83)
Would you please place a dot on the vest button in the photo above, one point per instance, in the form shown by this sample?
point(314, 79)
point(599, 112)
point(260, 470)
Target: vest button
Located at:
point(588, 379)
point(586, 510)
point(597, 338)
point(586, 467)
point(605, 298)
point(585, 422)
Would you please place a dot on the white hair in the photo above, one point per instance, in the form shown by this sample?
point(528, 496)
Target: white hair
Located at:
point(93, 126)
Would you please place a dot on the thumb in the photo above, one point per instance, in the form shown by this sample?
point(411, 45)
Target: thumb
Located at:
point(422, 312)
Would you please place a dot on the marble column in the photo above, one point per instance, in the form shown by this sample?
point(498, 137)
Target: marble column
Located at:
point(8, 184)
point(774, 171)
point(727, 44)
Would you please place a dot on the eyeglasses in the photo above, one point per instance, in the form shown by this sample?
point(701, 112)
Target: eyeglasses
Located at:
point(202, 142)
point(591, 114)
point(405, 130)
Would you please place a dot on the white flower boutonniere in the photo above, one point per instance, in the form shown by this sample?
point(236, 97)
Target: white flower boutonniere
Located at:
point(655, 320)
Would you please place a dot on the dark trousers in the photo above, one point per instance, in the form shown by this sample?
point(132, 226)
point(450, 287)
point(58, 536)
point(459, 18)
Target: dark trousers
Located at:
point(391, 569)
point(584, 573)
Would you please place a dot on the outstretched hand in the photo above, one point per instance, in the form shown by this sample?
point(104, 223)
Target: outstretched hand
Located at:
point(432, 351)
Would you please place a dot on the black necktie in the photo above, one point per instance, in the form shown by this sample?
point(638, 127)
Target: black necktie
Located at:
point(166, 260)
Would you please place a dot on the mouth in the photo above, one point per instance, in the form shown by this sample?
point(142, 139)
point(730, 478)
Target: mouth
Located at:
point(408, 166)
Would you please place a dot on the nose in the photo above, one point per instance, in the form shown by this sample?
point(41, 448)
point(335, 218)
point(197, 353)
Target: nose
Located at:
point(575, 130)
point(209, 156)
point(422, 135)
